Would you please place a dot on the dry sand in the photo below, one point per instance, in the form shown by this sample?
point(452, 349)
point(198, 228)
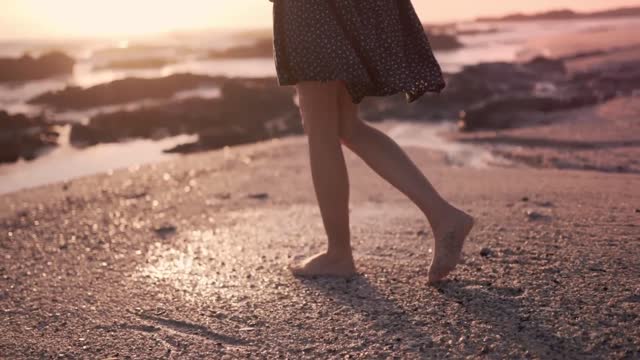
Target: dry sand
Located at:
point(185, 259)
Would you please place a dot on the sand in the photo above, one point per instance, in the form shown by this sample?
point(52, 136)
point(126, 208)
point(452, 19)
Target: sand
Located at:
point(185, 259)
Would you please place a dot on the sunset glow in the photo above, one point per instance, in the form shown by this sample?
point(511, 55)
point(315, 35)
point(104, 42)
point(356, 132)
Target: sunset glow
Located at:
point(27, 18)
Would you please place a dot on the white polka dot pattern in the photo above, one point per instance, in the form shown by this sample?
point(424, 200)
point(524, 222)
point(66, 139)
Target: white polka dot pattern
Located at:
point(378, 47)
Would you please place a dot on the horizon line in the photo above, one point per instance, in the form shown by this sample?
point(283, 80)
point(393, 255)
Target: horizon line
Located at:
point(221, 29)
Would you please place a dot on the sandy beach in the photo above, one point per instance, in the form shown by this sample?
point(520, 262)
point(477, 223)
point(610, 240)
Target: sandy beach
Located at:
point(185, 259)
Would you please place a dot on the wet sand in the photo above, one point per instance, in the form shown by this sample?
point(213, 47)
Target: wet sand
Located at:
point(185, 259)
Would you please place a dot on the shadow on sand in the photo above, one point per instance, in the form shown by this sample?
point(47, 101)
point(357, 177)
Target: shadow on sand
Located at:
point(400, 331)
point(390, 327)
point(505, 310)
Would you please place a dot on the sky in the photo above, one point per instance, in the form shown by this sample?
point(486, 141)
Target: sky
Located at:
point(63, 18)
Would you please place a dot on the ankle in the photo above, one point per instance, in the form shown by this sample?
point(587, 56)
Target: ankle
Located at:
point(439, 215)
point(339, 252)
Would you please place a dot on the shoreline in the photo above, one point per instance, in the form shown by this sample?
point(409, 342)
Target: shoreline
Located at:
point(100, 108)
point(156, 259)
point(430, 136)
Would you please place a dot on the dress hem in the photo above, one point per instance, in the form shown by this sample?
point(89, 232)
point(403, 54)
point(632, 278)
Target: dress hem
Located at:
point(409, 96)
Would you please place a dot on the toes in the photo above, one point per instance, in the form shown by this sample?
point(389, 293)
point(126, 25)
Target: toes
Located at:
point(297, 270)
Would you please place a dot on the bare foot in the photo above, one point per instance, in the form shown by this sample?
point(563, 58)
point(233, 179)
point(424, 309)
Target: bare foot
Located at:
point(325, 265)
point(449, 240)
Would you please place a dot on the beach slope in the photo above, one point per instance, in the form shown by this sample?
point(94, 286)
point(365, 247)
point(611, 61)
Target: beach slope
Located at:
point(186, 259)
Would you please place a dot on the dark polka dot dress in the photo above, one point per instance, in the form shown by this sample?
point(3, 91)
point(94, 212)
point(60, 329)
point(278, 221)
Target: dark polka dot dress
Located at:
point(378, 47)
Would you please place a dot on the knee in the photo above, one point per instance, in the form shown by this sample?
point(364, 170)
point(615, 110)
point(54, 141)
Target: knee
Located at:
point(349, 129)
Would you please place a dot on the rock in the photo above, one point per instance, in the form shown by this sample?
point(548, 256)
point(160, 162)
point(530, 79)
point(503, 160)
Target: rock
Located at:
point(475, 84)
point(22, 137)
point(485, 350)
point(29, 68)
point(546, 66)
point(259, 196)
point(444, 41)
point(609, 81)
point(123, 91)
point(544, 204)
point(596, 269)
point(486, 252)
point(517, 111)
point(534, 215)
point(82, 135)
point(165, 231)
point(217, 138)
point(248, 110)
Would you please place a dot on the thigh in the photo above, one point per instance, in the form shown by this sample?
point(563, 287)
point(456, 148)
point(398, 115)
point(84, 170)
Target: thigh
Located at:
point(318, 102)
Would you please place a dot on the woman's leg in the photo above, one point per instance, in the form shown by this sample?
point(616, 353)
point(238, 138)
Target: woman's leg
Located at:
point(319, 109)
point(450, 225)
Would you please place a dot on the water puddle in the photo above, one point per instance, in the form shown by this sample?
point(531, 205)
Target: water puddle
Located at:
point(66, 162)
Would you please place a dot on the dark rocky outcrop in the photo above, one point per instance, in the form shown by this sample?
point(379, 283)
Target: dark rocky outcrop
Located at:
point(248, 110)
point(442, 37)
point(478, 82)
point(519, 105)
point(29, 68)
point(22, 137)
point(503, 95)
point(123, 91)
point(474, 84)
point(607, 82)
point(443, 41)
point(506, 112)
point(490, 95)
